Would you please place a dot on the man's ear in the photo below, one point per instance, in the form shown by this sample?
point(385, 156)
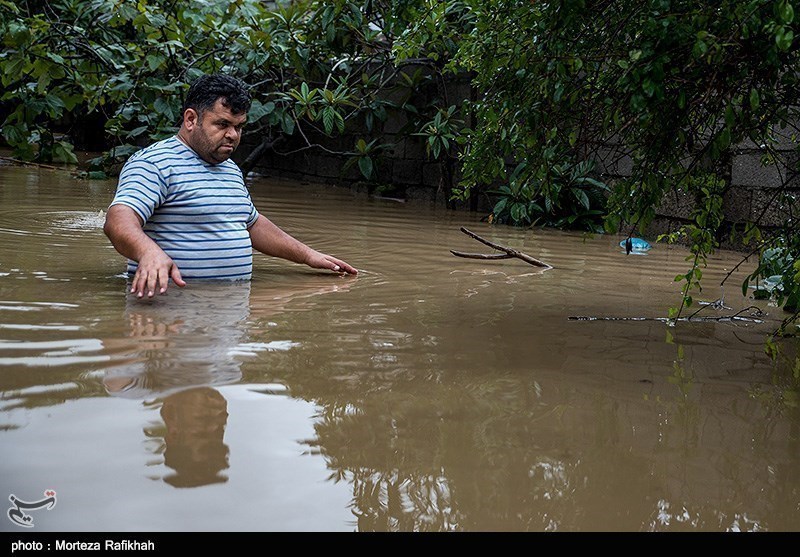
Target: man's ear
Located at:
point(191, 119)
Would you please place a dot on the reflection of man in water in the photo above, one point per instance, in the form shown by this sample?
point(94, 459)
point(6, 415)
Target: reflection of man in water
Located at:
point(183, 347)
point(185, 341)
point(193, 443)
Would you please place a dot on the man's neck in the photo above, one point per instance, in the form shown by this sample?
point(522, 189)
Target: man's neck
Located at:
point(182, 139)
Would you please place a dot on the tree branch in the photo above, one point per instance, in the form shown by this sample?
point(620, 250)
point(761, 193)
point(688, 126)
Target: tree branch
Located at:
point(255, 155)
point(509, 253)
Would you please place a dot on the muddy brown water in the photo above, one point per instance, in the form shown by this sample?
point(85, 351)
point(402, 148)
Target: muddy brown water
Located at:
point(428, 393)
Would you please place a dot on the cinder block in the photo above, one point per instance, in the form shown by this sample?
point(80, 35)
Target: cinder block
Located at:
point(395, 122)
point(421, 194)
point(747, 170)
point(407, 172)
point(384, 171)
point(432, 174)
point(327, 166)
point(413, 148)
point(771, 208)
point(782, 139)
point(737, 204)
point(613, 162)
point(677, 203)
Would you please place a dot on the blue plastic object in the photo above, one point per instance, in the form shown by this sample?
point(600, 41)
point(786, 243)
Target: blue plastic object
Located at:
point(635, 245)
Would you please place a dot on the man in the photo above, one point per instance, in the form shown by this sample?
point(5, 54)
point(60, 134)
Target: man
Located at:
point(182, 211)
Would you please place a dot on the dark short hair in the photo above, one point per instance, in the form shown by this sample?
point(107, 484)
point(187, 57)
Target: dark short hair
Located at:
point(206, 89)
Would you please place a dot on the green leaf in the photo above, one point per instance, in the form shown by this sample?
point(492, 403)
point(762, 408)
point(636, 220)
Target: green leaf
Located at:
point(58, 59)
point(754, 99)
point(784, 37)
point(328, 119)
point(287, 123)
point(55, 106)
point(154, 61)
point(365, 166)
point(62, 152)
point(339, 121)
point(500, 206)
point(15, 134)
point(516, 212)
point(581, 196)
point(137, 131)
point(163, 106)
point(786, 12)
point(13, 69)
point(649, 87)
point(259, 110)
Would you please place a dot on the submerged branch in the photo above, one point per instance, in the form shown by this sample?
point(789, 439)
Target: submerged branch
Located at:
point(29, 163)
point(755, 314)
point(509, 253)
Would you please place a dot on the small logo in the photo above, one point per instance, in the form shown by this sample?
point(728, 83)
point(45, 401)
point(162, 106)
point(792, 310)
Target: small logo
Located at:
point(17, 515)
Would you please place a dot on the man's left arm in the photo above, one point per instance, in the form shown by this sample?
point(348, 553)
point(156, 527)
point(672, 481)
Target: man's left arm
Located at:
point(269, 239)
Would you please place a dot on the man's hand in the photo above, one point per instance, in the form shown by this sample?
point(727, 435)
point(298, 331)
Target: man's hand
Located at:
point(154, 271)
point(124, 228)
point(319, 260)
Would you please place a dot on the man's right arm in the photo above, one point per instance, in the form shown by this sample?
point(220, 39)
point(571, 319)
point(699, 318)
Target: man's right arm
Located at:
point(124, 228)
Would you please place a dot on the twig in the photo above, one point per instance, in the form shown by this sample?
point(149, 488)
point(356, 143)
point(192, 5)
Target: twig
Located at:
point(509, 253)
point(755, 314)
point(28, 163)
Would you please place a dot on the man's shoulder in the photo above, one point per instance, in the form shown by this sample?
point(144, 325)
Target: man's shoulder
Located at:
point(158, 152)
point(230, 166)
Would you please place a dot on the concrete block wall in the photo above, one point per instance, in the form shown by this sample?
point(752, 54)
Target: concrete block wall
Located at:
point(760, 190)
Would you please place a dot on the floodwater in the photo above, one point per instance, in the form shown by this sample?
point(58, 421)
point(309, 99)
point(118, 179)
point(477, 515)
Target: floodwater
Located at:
point(430, 392)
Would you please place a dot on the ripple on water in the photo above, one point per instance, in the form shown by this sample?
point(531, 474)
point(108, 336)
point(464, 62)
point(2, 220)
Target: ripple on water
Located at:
point(10, 305)
point(51, 353)
point(81, 221)
point(20, 308)
point(254, 348)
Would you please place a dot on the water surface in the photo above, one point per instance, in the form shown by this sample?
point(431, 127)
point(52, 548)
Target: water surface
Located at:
point(429, 393)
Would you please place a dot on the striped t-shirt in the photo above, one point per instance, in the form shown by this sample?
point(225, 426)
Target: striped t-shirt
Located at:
point(198, 213)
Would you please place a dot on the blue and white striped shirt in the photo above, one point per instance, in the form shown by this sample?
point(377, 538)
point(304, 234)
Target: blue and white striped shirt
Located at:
point(198, 213)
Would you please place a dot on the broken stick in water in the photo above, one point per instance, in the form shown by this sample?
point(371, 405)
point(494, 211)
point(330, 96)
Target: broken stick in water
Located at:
point(509, 253)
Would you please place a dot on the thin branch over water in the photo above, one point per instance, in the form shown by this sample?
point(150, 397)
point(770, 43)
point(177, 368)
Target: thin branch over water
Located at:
point(509, 252)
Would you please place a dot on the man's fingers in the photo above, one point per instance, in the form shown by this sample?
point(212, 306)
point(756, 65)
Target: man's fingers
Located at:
point(163, 281)
point(152, 282)
point(139, 283)
point(342, 267)
point(348, 268)
point(153, 275)
point(176, 276)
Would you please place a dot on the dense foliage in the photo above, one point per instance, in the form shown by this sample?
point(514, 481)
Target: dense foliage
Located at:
point(561, 87)
point(120, 69)
point(671, 85)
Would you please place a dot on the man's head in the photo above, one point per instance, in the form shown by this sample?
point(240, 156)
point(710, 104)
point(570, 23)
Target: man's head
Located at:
point(214, 113)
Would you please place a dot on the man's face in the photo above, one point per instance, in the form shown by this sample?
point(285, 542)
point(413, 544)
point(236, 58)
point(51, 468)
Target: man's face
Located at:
point(215, 134)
